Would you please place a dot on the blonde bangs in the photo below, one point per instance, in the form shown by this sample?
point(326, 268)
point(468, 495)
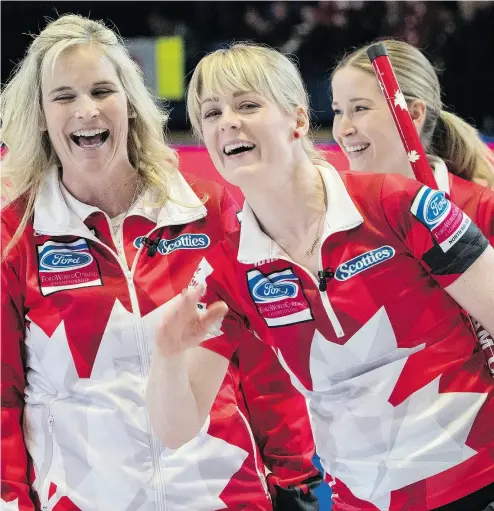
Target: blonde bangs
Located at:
point(241, 68)
point(53, 53)
point(238, 72)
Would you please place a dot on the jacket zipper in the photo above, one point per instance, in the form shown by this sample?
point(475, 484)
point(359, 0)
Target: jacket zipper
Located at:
point(143, 352)
point(44, 486)
point(261, 476)
point(325, 300)
point(145, 363)
point(335, 323)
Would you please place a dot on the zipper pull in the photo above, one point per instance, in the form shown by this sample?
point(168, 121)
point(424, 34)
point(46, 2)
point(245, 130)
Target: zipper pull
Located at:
point(51, 420)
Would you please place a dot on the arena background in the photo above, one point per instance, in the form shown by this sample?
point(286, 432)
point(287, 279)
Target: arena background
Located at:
point(167, 39)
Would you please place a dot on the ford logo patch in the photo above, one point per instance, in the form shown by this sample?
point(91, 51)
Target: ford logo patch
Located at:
point(435, 207)
point(64, 260)
point(268, 291)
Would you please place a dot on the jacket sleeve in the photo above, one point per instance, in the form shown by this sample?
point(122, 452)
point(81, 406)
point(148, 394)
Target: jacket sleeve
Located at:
point(15, 492)
point(438, 234)
point(280, 423)
point(485, 215)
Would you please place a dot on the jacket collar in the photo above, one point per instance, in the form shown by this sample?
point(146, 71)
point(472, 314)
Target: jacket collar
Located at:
point(341, 215)
point(441, 174)
point(57, 212)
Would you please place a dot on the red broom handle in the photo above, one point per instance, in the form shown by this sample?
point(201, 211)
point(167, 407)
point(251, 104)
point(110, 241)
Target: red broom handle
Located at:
point(378, 55)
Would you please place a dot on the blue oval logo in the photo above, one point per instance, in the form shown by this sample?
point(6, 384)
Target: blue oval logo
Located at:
point(435, 207)
point(192, 241)
point(363, 262)
point(64, 260)
point(269, 291)
point(188, 241)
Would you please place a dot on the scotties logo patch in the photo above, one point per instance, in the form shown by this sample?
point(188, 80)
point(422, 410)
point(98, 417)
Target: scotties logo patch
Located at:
point(363, 262)
point(193, 241)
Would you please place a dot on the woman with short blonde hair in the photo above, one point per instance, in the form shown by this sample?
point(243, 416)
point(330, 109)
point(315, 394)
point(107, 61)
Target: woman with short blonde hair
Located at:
point(357, 282)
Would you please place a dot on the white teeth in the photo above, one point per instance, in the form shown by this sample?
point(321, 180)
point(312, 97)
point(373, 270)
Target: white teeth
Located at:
point(237, 145)
point(355, 148)
point(88, 133)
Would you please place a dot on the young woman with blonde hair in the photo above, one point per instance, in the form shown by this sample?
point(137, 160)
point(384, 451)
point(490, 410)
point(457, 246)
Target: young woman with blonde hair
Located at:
point(364, 129)
point(357, 282)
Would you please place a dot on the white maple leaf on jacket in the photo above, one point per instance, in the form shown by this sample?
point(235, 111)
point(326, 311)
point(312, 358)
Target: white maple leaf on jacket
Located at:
point(111, 464)
point(105, 413)
point(12, 505)
point(370, 445)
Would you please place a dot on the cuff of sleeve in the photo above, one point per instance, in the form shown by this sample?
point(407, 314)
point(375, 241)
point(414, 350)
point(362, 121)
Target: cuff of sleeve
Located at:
point(299, 497)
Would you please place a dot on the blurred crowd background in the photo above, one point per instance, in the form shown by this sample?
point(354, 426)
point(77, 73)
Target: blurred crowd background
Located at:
point(457, 36)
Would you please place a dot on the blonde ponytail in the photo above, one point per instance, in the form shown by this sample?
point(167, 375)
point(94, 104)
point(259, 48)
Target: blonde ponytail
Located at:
point(460, 146)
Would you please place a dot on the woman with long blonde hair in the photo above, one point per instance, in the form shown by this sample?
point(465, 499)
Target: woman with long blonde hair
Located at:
point(100, 230)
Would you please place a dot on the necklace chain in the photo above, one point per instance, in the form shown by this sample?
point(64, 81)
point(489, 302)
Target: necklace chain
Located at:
point(117, 226)
point(312, 246)
point(317, 237)
point(134, 197)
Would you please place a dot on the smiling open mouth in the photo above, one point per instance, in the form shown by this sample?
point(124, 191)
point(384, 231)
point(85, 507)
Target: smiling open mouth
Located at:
point(237, 148)
point(356, 149)
point(90, 138)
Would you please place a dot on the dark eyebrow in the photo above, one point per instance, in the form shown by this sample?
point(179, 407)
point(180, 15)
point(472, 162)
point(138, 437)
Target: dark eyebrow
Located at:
point(104, 82)
point(59, 89)
point(65, 88)
point(353, 100)
point(235, 95)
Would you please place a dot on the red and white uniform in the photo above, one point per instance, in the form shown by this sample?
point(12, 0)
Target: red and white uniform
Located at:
point(400, 397)
point(478, 203)
point(79, 311)
point(475, 200)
